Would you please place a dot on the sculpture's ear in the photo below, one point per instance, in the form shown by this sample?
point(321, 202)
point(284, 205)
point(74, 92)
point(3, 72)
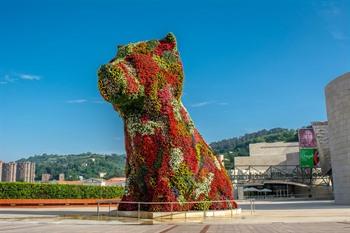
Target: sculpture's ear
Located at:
point(170, 38)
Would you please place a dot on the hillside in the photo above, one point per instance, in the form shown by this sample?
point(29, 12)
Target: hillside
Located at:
point(239, 146)
point(88, 165)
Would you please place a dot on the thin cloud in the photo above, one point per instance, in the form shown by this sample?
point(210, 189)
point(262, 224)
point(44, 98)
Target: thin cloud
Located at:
point(82, 101)
point(6, 79)
point(201, 104)
point(98, 102)
point(9, 79)
point(29, 77)
point(206, 103)
point(77, 101)
point(330, 9)
point(223, 103)
point(14, 77)
point(333, 16)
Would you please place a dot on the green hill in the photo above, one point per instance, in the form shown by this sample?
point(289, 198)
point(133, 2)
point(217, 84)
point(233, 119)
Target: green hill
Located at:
point(239, 146)
point(88, 165)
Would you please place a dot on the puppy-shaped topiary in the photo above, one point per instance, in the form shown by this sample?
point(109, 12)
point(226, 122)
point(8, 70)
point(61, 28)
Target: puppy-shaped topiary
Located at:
point(167, 159)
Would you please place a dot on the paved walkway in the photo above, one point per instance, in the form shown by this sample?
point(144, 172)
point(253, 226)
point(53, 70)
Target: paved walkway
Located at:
point(80, 227)
point(286, 216)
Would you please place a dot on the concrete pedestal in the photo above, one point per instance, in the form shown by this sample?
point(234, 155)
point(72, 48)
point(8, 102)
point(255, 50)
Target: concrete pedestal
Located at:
point(177, 214)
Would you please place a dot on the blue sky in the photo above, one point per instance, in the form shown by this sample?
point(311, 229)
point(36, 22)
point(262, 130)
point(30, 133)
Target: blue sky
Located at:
point(249, 65)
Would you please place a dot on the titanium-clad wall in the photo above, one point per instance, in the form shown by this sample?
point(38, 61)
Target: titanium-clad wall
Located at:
point(338, 112)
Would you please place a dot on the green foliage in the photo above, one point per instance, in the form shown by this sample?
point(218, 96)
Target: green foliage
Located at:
point(152, 44)
point(88, 165)
point(239, 146)
point(203, 205)
point(123, 51)
point(19, 190)
point(124, 102)
point(184, 181)
point(170, 37)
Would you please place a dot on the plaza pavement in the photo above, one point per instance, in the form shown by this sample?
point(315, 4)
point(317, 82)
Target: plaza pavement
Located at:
point(98, 227)
point(283, 216)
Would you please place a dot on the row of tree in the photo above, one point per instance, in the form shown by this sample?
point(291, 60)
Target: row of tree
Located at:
point(88, 165)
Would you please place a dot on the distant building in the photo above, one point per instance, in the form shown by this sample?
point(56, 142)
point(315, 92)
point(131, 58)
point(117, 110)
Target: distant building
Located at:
point(322, 136)
point(276, 153)
point(94, 181)
point(25, 172)
point(274, 170)
point(90, 181)
point(1, 163)
point(45, 177)
point(116, 181)
point(9, 172)
point(61, 177)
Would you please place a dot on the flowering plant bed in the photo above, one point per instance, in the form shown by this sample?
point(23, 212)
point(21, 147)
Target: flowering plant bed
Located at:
point(167, 158)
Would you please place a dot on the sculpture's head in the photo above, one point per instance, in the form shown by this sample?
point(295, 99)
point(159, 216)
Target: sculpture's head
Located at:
point(143, 76)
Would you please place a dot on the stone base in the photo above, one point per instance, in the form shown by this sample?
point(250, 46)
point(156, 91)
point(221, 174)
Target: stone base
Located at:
point(177, 214)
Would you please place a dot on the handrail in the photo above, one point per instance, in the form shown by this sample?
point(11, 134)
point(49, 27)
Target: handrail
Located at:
point(242, 174)
point(169, 202)
point(139, 203)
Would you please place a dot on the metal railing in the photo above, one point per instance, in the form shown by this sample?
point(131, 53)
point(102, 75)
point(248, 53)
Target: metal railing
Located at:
point(243, 174)
point(289, 196)
point(252, 206)
point(170, 213)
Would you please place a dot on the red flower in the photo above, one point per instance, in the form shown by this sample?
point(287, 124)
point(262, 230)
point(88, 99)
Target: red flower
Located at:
point(149, 150)
point(132, 86)
point(146, 69)
point(164, 46)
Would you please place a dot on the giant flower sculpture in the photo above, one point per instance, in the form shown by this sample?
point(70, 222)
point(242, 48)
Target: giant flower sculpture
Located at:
point(167, 158)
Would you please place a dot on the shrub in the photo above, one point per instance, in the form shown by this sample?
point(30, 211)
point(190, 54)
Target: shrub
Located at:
point(19, 190)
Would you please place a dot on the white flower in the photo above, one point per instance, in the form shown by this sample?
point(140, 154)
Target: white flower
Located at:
point(135, 126)
point(176, 158)
point(204, 187)
point(217, 163)
point(176, 106)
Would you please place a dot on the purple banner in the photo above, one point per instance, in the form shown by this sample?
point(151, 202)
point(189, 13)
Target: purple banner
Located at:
point(307, 138)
